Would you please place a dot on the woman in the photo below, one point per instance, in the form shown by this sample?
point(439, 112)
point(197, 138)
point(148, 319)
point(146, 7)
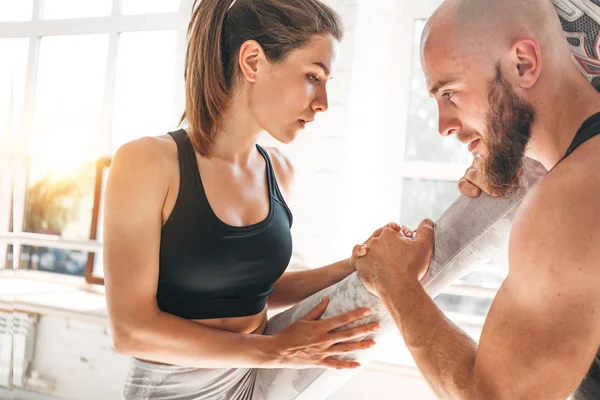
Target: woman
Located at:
point(197, 231)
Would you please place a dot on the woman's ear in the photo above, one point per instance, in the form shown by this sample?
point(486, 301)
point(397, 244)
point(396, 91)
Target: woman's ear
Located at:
point(251, 53)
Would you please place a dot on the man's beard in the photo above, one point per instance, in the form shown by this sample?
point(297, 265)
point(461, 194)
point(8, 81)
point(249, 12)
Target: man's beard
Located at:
point(509, 124)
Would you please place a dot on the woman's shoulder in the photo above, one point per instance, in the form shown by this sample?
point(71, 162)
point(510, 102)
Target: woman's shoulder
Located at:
point(152, 150)
point(148, 156)
point(283, 168)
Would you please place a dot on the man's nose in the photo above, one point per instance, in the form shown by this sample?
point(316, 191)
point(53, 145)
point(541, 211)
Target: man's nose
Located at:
point(448, 125)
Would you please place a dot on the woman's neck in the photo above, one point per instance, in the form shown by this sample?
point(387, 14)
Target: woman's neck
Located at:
point(235, 142)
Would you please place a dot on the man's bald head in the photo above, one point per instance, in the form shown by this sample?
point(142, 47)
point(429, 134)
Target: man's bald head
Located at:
point(494, 25)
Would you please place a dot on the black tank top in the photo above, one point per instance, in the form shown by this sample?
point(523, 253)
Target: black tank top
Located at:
point(590, 386)
point(209, 269)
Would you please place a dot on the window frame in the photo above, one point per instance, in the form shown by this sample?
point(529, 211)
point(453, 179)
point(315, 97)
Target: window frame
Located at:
point(101, 165)
point(18, 153)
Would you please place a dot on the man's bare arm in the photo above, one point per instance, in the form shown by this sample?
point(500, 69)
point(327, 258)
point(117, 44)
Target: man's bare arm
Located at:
point(543, 329)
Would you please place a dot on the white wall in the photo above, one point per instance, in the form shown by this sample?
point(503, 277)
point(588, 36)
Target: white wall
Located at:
point(349, 162)
point(79, 358)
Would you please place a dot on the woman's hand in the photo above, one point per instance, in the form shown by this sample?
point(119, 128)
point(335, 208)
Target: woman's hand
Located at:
point(311, 342)
point(395, 259)
point(361, 250)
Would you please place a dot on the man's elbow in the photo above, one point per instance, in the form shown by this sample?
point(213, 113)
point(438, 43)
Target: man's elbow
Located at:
point(470, 388)
point(488, 392)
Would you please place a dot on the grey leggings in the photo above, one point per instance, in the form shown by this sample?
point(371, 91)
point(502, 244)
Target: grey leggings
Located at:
point(148, 380)
point(470, 233)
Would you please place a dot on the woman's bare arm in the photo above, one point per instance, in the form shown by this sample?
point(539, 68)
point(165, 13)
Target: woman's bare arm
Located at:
point(293, 287)
point(137, 187)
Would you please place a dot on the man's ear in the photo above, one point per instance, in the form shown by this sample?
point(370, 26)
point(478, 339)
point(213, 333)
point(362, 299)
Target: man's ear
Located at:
point(527, 62)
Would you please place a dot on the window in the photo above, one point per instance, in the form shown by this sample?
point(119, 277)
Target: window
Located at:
point(66, 9)
point(16, 10)
point(58, 203)
point(139, 106)
point(431, 171)
point(150, 6)
point(13, 52)
point(6, 211)
point(81, 79)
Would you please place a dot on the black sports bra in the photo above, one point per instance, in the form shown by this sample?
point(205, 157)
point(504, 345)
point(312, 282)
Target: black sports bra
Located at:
point(209, 269)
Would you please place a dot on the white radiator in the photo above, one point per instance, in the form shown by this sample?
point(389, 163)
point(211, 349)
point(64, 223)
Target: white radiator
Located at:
point(17, 340)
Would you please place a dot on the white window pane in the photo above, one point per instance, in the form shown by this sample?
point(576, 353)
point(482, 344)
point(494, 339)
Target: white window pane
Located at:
point(16, 10)
point(68, 99)
point(6, 198)
point(491, 276)
point(9, 257)
point(60, 261)
point(98, 268)
point(450, 303)
point(63, 9)
point(13, 52)
point(423, 142)
point(58, 203)
point(144, 88)
point(426, 199)
point(150, 6)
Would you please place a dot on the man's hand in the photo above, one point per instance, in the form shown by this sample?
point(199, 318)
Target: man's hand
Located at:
point(360, 250)
point(393, 258)
point(472, 183)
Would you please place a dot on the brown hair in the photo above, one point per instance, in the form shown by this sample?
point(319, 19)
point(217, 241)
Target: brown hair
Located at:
point(215, 34)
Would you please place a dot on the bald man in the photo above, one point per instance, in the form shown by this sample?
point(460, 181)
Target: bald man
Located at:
point(504, 81)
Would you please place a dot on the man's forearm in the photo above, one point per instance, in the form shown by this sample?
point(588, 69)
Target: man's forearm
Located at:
point(294, 287)
point(443, 352)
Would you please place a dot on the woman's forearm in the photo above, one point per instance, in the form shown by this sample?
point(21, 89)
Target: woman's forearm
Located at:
point(168, 339)
point(293, 287)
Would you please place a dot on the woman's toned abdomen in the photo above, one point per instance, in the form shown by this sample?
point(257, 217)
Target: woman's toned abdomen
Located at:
point(253, 324)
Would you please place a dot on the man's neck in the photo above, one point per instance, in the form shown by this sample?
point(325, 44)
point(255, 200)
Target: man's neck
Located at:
point(559, 118)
